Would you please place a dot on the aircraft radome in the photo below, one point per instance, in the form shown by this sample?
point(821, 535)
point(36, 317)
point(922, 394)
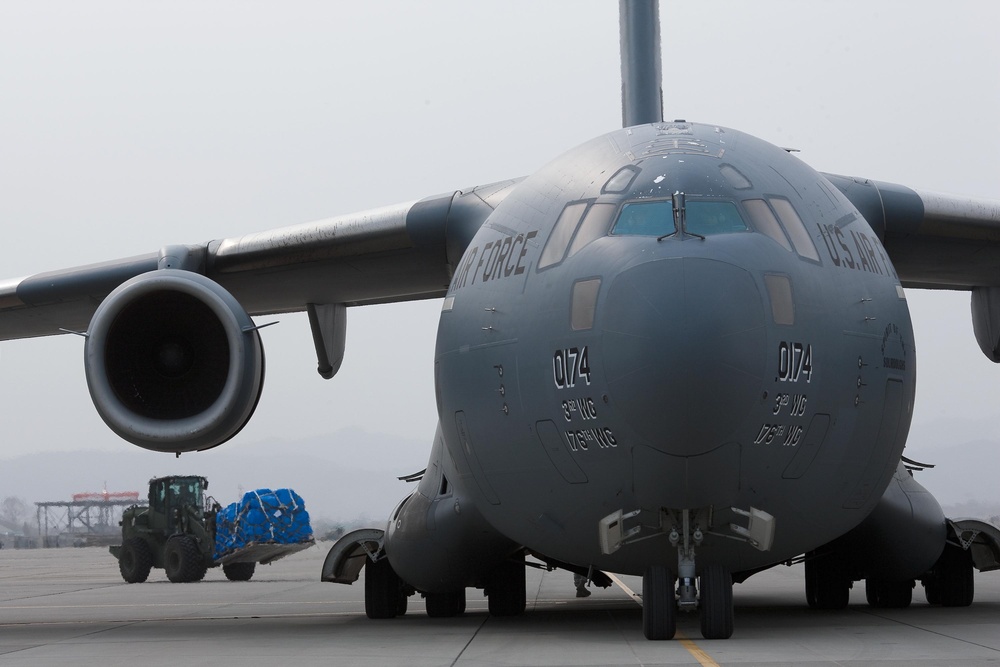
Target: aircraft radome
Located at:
point(675, 351)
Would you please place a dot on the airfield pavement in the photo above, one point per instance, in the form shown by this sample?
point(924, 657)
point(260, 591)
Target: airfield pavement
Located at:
point(70, 607)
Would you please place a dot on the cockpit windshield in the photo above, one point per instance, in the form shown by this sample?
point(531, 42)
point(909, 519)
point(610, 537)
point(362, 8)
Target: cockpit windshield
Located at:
point(656, 218)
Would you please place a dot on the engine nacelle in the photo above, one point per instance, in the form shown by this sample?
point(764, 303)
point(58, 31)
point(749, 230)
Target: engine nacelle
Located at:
point(986, 320)
point(173, 361)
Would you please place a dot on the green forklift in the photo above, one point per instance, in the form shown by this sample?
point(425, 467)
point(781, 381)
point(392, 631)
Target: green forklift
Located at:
point(176, 532)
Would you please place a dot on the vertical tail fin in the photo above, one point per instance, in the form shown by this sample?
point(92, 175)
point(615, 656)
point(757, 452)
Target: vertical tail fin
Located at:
point(642, 94)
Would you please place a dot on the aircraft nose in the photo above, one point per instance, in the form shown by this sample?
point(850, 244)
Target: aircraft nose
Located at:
point(684, 351)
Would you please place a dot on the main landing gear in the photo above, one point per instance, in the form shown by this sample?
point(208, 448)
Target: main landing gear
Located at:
point(386, 594)
point(828, 586)
point(950, 583)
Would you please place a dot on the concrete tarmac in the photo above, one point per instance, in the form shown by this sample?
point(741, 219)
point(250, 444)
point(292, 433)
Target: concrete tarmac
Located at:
point(70, 607)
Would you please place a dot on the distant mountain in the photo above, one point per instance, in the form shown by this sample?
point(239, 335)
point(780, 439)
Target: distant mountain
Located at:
point(964, 477)
point(965, 454)
point(352, 473)
point(944, 433)
point(341, 476)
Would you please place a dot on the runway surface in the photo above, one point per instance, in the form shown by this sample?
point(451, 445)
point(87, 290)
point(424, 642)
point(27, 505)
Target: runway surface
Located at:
point(70, 607)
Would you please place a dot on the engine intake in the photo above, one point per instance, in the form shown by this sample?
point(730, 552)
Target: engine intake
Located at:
point(173, 362)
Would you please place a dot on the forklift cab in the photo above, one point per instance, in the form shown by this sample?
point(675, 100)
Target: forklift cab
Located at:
point(169, 495)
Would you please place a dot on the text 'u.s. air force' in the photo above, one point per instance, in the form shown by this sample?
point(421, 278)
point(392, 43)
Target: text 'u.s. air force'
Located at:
point(499, 259)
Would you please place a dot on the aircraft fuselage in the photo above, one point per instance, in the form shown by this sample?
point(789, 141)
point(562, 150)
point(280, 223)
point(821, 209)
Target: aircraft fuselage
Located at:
point(600, 351)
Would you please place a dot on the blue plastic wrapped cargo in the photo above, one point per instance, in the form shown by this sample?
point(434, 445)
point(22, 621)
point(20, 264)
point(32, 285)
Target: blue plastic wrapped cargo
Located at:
point(263, 526)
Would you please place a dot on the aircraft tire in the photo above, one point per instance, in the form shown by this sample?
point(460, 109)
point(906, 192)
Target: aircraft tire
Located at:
point(402, 602)
point(659, 609)
point(182, 560)
point(382, 590)
point(505, 591)
point(827, 587)
point(136, 560)
point(445, 605)
point(932, 591)
point(956, 577)
point(716, 603)
point(883, 594)
point(239, 571)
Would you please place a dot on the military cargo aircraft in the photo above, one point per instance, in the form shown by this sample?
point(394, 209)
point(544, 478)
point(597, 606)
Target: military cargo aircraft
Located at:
point(675, 351)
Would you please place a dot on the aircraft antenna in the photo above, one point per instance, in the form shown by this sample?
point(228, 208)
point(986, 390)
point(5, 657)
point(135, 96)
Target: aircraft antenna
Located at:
point(642, 92)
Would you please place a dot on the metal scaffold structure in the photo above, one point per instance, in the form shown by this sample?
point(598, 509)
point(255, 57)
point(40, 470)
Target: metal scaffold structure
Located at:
point(89, 518)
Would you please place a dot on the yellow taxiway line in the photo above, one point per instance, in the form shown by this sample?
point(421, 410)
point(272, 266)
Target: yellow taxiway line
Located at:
point(696, 651)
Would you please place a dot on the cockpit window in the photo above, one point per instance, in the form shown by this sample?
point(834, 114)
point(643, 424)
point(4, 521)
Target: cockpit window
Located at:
point(735, 177)
point(714, 217)
point(579, 224)
point(562, 234)
point(621, 180)
point(653, 218)
point(656, 218)
point(796, 230)
point(595, 225)
point(784, 227)
point(765, 222)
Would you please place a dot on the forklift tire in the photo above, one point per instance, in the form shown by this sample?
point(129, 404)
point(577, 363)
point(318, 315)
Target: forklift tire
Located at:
point(135, 560)
point(200, 574)
point(182, 560)
point(239, 571)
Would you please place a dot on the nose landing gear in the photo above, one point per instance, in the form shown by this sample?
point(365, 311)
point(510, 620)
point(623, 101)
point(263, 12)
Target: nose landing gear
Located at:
point(716, 602)
point(660, 602)
point(659, 608)
point(663, 594)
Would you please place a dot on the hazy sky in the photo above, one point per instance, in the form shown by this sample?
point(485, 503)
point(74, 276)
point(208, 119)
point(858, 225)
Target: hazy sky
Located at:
point(126, 126)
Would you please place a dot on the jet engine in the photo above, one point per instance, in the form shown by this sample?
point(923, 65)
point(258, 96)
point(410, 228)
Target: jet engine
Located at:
point(173, 361)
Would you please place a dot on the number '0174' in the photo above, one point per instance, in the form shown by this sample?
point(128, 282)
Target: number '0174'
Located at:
point(795, 362)
point(570, 366)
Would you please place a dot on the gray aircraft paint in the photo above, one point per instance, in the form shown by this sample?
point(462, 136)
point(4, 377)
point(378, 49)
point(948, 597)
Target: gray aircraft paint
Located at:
point(581, 372)
point(684, 392)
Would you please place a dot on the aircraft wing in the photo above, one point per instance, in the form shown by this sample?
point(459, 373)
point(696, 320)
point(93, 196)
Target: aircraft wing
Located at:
point(396, 253)
point(407, 251)
point(935, 241)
